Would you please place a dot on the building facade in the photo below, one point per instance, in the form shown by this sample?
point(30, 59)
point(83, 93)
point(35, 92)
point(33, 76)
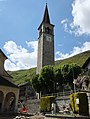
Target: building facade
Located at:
point(9, 92)
point(45, 42)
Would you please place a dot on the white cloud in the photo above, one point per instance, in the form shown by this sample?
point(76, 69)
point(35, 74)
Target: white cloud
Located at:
point(76, 50)
point(64, 21)
point(81, 18)
point(19, 57)
point(68, 26)
point(32, 44)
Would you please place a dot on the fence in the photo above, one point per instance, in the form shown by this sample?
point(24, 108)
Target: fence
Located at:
point(59, 94)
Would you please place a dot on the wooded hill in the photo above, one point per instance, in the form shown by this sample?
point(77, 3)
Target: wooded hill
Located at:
point(22, 76)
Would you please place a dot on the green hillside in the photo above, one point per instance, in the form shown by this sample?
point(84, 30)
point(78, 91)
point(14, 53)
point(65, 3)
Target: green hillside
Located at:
point(26, 75)
point(22, 76)
point(78, 59)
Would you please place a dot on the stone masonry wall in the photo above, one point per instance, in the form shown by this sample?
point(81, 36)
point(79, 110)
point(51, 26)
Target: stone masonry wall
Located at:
point(60, 102)
point(33, 106)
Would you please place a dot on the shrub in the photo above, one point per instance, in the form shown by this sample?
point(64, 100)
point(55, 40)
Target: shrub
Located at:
point(45, 103)
point(82, 107)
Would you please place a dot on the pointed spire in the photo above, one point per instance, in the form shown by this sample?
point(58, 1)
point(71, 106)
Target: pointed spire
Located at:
point(46, 18)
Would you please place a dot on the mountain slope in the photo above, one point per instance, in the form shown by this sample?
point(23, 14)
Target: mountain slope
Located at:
point(26, 75)
point(22, 76)
point(78, 59)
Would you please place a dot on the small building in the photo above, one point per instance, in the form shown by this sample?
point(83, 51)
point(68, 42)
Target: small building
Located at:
point(26, 92)
point(86, 65)
point(9, 92)
point(86, 71)
point(28, 98)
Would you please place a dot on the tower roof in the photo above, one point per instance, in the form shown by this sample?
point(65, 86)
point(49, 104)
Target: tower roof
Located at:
point(46, 18)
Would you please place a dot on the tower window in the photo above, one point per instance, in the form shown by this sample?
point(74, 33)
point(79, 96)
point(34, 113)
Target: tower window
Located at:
point(47, 30)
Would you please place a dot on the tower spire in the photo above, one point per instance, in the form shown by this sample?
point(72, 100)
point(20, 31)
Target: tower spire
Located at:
point(46, 18)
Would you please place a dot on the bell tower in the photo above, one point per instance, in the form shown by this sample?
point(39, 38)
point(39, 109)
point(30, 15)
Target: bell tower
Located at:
point(45, 54)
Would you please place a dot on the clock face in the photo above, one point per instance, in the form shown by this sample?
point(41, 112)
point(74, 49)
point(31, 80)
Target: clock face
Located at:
point(48, 38)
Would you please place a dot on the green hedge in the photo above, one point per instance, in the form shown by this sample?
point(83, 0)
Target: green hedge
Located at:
point(82, 107)
point(45, 103)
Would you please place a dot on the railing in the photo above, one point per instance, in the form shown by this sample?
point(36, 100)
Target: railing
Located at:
point(59, 94)
point(67, 93)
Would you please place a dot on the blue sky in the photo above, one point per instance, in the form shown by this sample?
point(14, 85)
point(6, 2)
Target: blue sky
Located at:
point(19, 21)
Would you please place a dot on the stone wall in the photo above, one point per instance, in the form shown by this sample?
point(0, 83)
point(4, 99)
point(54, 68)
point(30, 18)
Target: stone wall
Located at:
point(60, 102)
point(33, 106)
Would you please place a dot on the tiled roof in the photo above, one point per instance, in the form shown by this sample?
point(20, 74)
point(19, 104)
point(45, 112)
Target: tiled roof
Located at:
point(5, 82)
point(86, 63)
point(24, 84)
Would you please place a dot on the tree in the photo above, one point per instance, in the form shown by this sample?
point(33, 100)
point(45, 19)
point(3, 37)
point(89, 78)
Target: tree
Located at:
point(70, 72)
point(54, 79)
point(58, 78)
point(36, 83)
point(46, 79)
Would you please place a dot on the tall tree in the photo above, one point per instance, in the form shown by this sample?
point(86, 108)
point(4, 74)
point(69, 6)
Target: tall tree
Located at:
point(46, 79)
point(70, 72)
point(55, 79)
point(35, 82)
point(58, 78)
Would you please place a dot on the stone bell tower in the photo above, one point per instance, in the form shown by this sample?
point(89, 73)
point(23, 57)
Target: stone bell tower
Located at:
point(45, 54)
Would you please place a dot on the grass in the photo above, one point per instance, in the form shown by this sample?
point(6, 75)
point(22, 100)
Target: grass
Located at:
point(78, 59)
point(22, 76)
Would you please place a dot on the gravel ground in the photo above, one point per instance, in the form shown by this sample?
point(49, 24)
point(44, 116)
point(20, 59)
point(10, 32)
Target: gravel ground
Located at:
point(22, 117)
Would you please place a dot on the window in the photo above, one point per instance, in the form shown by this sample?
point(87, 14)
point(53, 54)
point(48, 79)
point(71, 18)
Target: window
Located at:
point(47, 30)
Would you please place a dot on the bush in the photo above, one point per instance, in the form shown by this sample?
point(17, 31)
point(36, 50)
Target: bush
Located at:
point(45, 103)
point(82, 107)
